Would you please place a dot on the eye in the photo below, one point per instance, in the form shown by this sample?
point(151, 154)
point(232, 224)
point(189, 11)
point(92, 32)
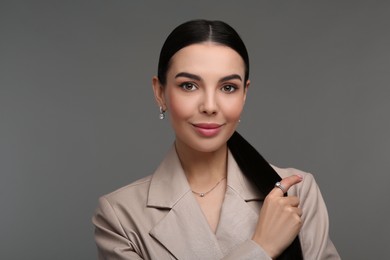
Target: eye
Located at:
point(188, 86)
point(229, 88)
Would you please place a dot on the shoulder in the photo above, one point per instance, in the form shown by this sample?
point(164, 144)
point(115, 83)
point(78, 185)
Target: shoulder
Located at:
point(135, 191)
point(302, 189)
point(308, 192)
point(285, 172)
point(124, 207)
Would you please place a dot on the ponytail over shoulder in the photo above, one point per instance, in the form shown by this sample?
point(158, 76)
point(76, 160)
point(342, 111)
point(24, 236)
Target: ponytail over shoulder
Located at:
point(260, 172)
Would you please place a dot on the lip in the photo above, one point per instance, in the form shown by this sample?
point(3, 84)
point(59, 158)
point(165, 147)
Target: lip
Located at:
point(208, 129)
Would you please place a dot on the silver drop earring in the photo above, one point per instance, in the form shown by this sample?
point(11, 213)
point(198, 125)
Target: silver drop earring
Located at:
point(162, 113)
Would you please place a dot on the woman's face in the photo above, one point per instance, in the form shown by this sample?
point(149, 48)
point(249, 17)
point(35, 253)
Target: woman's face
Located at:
point(204, 95)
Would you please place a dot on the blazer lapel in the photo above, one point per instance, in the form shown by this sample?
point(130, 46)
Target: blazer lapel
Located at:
point(184, 231)
point(238, 219)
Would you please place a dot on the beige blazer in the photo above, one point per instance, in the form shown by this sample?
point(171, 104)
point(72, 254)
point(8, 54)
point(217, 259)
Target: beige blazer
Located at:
point(158, 217)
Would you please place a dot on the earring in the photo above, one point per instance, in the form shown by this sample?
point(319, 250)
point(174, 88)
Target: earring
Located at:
point(162, 113)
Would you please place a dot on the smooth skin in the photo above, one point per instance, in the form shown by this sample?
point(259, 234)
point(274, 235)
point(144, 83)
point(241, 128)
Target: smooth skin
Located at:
point(205, 85)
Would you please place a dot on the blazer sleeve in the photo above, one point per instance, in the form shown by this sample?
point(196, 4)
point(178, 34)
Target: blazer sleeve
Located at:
point(111, 239)
point(314, 235)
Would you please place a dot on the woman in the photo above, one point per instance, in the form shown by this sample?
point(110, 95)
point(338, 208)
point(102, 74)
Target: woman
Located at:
point(213, 196)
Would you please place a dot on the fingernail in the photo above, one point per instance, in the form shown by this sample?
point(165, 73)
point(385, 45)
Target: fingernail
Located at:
point(300, 176)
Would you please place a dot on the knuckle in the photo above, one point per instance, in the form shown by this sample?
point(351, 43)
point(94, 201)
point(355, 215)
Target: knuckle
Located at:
point(289, 210)
point(298, 221)
point(295, 198)
point(281, 202)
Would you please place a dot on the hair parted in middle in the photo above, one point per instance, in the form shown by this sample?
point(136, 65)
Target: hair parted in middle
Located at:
point(198, 31)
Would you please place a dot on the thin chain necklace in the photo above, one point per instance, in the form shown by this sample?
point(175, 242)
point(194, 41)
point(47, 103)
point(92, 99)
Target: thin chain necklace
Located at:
point(202, 194)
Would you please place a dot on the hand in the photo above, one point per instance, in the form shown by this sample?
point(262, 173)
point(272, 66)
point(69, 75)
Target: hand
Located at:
point(280, 219)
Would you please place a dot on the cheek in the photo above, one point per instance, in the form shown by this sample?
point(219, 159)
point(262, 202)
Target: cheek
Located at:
point(179, 107)
point(233, 109)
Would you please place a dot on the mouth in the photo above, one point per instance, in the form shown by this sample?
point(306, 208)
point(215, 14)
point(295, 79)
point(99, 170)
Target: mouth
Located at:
point(208, 129)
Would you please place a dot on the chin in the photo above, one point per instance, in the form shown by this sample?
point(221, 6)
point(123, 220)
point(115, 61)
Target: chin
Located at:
point(208, 149)
point(208, 145)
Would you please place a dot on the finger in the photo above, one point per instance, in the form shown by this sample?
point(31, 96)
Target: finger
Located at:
point(286, 183)
point(299, 211)
point(293, 205)
point(292, 201)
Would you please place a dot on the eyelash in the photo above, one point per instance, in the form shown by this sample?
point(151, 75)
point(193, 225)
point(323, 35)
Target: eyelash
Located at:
point(186, 84)
point(233, 88)
point(193, 86)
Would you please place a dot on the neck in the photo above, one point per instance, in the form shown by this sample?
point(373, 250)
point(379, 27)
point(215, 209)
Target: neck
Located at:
point(202, 169)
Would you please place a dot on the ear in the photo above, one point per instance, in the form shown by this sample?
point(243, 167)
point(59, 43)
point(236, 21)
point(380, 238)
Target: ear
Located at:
point(158, 90)
point(248, 82)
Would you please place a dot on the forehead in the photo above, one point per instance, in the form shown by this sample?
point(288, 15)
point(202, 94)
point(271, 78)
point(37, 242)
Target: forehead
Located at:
point(207, 58)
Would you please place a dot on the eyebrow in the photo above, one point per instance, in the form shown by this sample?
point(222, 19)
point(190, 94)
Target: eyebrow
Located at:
point(230, 77)
point(188, 75)
point(198, 78)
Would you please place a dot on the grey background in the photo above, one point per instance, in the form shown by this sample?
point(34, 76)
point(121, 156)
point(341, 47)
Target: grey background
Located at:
point(78, 118)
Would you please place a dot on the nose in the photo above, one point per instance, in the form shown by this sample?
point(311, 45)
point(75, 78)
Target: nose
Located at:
point(208, 104)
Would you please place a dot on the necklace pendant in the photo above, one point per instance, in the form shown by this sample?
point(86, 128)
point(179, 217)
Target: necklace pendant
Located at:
point(202, 194)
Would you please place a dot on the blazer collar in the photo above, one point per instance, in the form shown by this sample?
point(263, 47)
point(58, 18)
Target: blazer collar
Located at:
point(169, 183)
